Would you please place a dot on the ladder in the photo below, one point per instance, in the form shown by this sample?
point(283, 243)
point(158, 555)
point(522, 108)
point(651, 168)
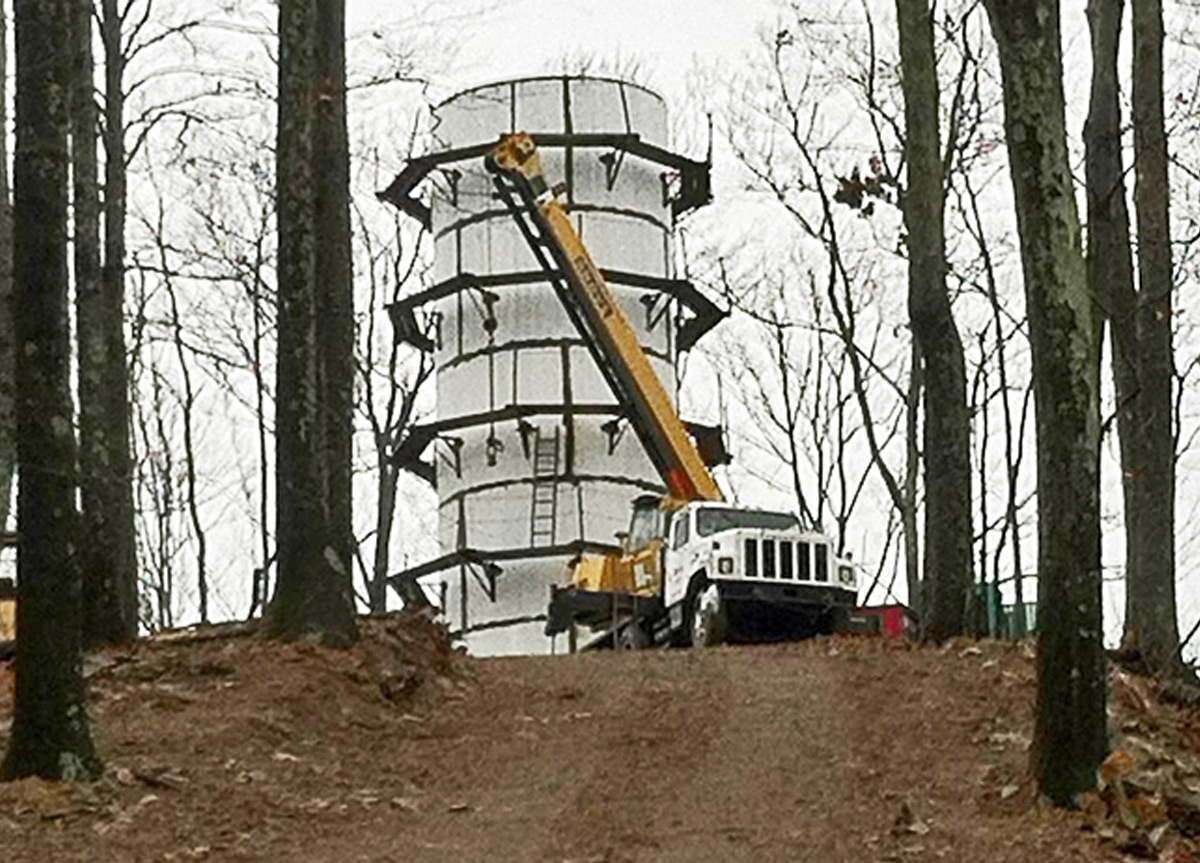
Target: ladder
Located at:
point(544, 510)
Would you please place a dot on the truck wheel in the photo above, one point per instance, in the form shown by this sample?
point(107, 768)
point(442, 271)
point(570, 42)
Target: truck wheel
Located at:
point(707, 622)
point(839, 620)
point(632, 637)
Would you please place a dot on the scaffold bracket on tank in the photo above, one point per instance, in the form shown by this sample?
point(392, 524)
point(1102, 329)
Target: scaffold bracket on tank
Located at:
point(702, 313)
point(502, 623)
point(407, 585)
point(710, 439)
point(408, 330)
point(615, 430)
point(695, 178)
point(407, 454)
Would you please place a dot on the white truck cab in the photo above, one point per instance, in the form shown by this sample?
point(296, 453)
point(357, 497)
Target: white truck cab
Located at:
point(732, 564)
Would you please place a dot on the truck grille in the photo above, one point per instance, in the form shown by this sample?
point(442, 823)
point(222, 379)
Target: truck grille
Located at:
point(785, 559)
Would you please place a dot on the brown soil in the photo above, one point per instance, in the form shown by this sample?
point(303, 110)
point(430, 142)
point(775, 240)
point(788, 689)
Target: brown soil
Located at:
point(236, 749)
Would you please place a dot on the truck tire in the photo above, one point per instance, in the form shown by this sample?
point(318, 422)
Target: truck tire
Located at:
point(839, 620)
point(707, 621)
point(632, 637)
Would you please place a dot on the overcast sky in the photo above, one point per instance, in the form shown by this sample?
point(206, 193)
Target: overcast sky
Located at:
point(524, 37)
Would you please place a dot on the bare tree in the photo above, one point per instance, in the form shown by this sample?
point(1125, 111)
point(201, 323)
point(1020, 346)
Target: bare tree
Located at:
point(947, 423)
point(50, 735)
point(313, 592)
point(792, 378)
point(1005, 329)
point(110, 565)
point(1148, 464)
point(391, 391)
point(1070, 734)
point(8, 357)
point(780, 138)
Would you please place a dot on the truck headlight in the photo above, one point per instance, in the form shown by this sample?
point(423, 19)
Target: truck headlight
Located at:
point(725, 565)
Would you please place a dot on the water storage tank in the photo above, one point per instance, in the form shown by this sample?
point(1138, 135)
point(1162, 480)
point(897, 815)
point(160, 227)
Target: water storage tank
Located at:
point(531, 457)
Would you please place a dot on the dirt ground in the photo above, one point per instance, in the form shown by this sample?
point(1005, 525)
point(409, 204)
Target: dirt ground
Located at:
point(235, 749)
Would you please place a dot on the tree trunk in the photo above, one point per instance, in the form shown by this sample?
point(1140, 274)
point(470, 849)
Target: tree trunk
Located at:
point(385, 502)
point(1110, 262)
point(1069, 732)
point(335, 279)
point(8, 357)
point(947, 426)
point(187, 407)
point(313, 594)
point(50, 735)
point(912, 467)
point(1150, 615)
point(108, 556)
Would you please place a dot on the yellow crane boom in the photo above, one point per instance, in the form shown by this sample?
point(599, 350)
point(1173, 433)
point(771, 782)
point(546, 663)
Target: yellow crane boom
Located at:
point(517, 172)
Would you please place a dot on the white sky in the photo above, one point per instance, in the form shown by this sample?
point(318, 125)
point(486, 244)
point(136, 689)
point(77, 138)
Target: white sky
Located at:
point(481, 41)
point(527, 36)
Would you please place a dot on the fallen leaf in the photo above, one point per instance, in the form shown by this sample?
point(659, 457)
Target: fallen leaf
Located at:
point(124, 776)
point(906, 821)
point(1119, 763)
point(160, 777)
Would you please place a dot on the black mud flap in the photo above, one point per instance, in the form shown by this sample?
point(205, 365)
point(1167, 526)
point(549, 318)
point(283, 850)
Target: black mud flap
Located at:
point(850, 621)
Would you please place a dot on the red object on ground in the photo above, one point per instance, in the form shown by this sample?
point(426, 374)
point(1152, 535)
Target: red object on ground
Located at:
point(895, 621)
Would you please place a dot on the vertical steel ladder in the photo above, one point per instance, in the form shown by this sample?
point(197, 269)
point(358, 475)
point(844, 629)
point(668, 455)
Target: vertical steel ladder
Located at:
point(544, 510)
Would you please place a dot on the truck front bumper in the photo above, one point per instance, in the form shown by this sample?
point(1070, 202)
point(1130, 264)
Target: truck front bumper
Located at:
point(764, 610)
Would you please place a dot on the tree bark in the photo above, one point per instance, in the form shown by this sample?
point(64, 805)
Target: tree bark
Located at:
point(1070, 738)
point(8, 357)
point(108, 556)
point(385, 502)
point(313, 594)
point(335, 279)
point(1150, 614)
point(947, 421)
point(50, 735)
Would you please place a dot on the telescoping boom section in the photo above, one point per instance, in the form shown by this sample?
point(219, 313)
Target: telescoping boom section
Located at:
point(516, 169)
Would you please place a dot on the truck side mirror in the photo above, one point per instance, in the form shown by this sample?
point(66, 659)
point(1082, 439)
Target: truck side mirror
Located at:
point(623, 540)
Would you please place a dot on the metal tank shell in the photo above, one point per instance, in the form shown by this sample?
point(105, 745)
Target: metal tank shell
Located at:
point(532, 458)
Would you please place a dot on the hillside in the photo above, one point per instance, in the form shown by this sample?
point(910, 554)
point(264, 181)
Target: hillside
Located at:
point(233, 749)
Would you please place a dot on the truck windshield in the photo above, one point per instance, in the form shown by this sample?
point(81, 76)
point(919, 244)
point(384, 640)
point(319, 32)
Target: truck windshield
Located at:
point(709, 521)
point(644, 527)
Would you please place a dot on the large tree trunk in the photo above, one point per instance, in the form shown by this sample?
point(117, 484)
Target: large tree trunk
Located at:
point(947, 425)
point(8, 357)
point(313, 595)
point(1149, 476)
point(50, 734)
point(1070, 738)
point(107, 555)
point(335, 279)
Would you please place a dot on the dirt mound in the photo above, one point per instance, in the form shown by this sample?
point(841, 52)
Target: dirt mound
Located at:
point(221, 730)
point(222, 746)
